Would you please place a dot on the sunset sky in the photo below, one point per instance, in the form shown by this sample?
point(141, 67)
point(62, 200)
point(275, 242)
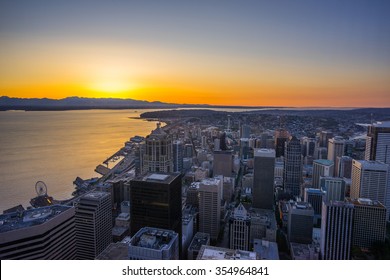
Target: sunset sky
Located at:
point(252, 53)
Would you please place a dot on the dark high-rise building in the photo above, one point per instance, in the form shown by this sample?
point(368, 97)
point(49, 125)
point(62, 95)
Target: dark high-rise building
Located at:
point(324, 138)
point(263, 178)
point(343, 167)
point(292, 176)
point(223, 163)
point(300, 222)
point(281, 137)
point(178, 151)
point(93, 224)
point(156, 202)
point(378, 142)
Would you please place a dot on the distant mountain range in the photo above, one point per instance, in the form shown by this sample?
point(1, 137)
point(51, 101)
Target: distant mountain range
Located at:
point(71, 103)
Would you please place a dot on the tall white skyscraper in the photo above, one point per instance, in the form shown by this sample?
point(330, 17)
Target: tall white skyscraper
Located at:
point(239, 226)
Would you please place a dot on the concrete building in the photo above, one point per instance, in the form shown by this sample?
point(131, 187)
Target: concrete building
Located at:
point(263, 225)
point(223, 163)
point(281, 137)
point(324, 137)
point(266, 250)
point(333, 188)
point(335, 148)
point(263, 181)
point(156, 202)
point(46, 233)
point(210, 195)
point(292, 175)
point(315, 198)
point(370, 179)
point(239, 228)
point(187, 233)
point(93, 224)
point(321, 168)
point(228, 188)
point(158, 154)
point(343, 167)
point(378, 142)
point(336, 230)
point(300, 223)
point(178, 155)
point(154, 244)
point(219, 253)
point(199, 239)
point(303, 251)
point(115, 251)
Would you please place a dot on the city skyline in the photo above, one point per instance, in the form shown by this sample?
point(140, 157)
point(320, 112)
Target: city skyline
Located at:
point(252, 53)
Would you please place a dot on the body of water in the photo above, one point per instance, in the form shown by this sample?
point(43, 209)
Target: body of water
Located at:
point(57, 146)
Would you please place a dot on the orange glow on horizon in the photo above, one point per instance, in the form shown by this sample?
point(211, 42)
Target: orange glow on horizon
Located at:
point(251, 97)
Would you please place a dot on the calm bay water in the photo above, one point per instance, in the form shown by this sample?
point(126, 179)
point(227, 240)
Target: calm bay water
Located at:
point(56, 147)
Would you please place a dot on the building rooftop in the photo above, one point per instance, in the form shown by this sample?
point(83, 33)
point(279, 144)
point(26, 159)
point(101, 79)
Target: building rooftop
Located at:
point(264, 153)
point(324, 162)
point(264, 217)
point(314, 191)
point(303, 251)
point(371, 165)
point(115, 251)
point(164, 178)
point(382, 124)
point(365, 202)
point(32, 217)
point(199, 239)
point(266, 250)
point(153, 238)
point(95, 195)
point(219, 253)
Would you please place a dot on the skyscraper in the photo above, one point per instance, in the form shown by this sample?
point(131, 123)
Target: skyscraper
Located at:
point(223, 163)
point(336, 230)
point(158, 154)
point(210, 195)
point(156, 202)
point(300, 222)
point(239, 225)
point(281, 137)
point(324, 137)
point(335, 148)
point(333, 188)
point(178, 150)
point(343, 167)
point(292, 176)
point(369, 223)
point(378, 142)
point(370, 180)
point(93, 224)
point(321, 168)
point(46, 233)
point(263, 181)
